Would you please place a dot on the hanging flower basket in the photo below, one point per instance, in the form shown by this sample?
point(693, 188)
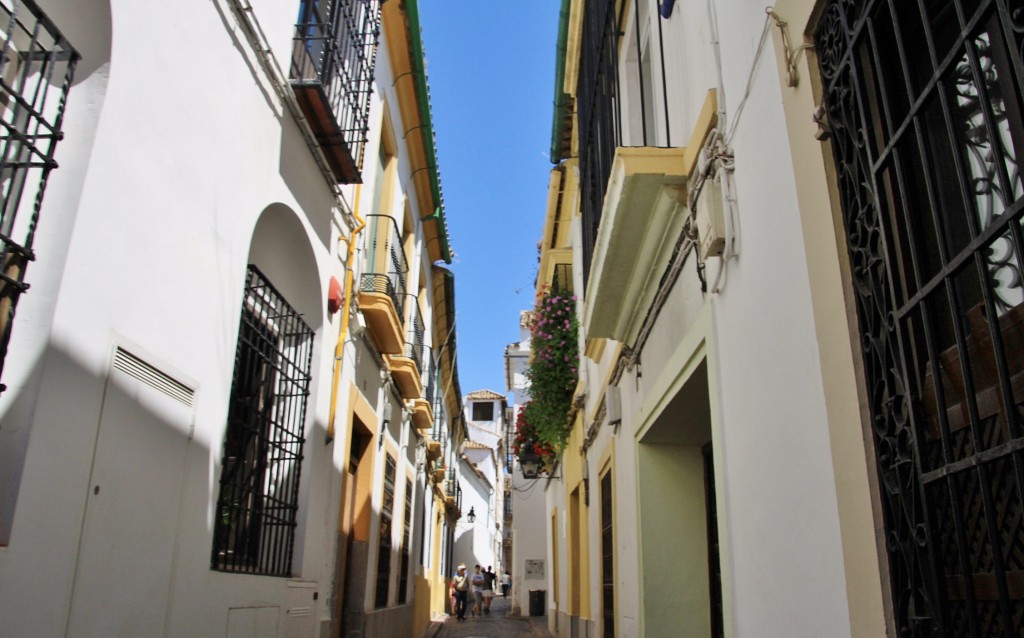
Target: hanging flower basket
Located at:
point(553, 373)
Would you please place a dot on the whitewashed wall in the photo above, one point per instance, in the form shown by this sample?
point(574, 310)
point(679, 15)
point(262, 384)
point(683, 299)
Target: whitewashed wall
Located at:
point(180, 165)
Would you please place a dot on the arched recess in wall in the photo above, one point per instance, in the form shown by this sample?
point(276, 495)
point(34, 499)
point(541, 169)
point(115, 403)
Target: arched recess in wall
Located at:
point(87, 25)
point(282, 251)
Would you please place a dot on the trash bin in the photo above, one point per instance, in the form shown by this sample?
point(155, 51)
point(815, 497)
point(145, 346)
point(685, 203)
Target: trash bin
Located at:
point(537, 599)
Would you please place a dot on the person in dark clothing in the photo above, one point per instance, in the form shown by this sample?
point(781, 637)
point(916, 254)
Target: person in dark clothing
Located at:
point(489, 578)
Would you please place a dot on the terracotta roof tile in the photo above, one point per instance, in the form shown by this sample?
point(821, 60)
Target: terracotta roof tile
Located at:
point(485, 394)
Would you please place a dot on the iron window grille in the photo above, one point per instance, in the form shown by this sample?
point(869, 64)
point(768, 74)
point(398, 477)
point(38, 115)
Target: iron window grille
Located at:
point(384, 542)
point(37, 65)
point(925, 106)
point(332, 67)
point(386, 266)
point(403, 578)
point(254, 527)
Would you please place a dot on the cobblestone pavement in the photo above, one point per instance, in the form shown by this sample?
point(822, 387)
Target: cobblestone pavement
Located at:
point(497, 624)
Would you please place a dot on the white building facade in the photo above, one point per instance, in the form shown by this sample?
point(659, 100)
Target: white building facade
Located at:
point(205, 426)
point(483, 471)
point(529, 559)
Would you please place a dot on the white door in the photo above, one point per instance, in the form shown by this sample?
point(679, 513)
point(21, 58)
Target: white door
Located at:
point(125, 562)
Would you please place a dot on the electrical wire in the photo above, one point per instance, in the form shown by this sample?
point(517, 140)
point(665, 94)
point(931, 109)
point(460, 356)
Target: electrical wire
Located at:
point(750, 78)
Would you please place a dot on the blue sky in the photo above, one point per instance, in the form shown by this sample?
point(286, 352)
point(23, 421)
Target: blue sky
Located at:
point(490, 66)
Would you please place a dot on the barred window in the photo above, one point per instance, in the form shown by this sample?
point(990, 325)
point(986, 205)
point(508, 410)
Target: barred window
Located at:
point(36, 67)
point(926, 108)
point(254, 529)
point(607, 557)
point(403, 580)
point(384, 544)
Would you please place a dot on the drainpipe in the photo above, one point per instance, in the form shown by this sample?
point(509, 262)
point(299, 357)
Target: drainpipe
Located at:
point(339, 348)
point(561, 101)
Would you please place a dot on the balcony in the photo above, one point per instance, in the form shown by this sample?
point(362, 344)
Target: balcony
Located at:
point(382, 286)
point(433, 449)
point(641, 219)
point(405, 367)
point(332, 66)
point(438, 436)
point(633, 170)
point(438, 472)
point(453, 494)
point(422, 410)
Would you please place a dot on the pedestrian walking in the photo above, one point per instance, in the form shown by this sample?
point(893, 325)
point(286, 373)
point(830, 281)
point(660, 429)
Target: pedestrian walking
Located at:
point(506, 583)
point(489, 578)
point(461, 586)
point(478, 581)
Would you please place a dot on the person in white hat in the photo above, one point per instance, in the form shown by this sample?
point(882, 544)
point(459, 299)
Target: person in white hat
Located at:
point(460, 583)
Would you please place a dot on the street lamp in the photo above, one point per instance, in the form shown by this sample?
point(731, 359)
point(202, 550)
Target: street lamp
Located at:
point(529, 462)
point(471, 517)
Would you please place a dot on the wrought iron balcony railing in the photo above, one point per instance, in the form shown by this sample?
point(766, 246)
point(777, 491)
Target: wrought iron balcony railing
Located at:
point(453, 484)
point(617, 104)
point(598, 116)
point(430, 386)
point(414, 332)
point(333, 59)
point(386, 267)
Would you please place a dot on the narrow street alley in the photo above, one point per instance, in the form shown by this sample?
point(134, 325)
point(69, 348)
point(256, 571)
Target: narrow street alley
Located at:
point(497, 624)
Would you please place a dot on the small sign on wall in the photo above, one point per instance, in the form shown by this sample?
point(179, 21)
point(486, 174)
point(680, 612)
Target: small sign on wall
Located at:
point(534, 569)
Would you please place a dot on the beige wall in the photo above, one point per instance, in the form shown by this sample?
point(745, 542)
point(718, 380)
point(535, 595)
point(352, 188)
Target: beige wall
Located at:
point(835, 327)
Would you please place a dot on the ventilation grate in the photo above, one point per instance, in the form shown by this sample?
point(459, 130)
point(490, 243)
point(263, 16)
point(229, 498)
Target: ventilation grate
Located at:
point(137, 368)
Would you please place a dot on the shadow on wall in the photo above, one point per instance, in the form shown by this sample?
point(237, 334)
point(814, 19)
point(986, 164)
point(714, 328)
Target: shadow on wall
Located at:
point(117, 472)
point(464, 553)
point(87, 26)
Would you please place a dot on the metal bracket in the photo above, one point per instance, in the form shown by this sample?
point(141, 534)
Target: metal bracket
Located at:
point(792, 55)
